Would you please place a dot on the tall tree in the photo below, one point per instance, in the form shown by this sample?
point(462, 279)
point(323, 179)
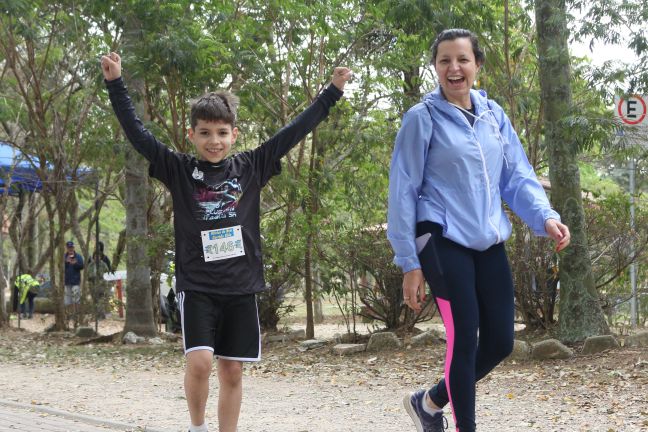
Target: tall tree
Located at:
point(139, 310)
point(299, 45)
point(46, 50)
point(580, 311)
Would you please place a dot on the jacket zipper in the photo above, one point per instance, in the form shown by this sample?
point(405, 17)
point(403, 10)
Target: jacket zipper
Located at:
point(486, 177)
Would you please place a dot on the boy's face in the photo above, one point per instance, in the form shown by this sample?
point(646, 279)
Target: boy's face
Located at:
point(213, 139)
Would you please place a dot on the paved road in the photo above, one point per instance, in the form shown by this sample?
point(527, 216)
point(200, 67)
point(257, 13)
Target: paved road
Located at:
point(33, 418)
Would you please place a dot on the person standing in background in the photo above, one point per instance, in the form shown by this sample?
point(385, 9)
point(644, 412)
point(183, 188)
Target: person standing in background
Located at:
point(27, 288)
point(72, 297)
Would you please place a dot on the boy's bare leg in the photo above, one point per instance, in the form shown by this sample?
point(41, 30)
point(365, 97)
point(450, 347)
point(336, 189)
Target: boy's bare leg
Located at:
point(230, 394)
point(196, 383)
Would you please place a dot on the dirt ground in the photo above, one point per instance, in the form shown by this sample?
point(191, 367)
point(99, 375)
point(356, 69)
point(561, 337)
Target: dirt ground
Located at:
point(317, 391)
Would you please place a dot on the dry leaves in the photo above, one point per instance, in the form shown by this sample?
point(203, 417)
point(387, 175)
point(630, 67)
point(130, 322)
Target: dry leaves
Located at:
point(604, 393)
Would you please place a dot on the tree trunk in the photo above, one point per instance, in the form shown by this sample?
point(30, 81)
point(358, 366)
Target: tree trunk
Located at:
point(17, 232)
point(156, 258)
point(412, 86)
point(308, 288)
point(56, 201)
point(139, 304)
point(4, 316)
point(139, 307)
point(318, 311)
point(580, 314)
point(311, 208)
point(56, 262)
point(318, 307)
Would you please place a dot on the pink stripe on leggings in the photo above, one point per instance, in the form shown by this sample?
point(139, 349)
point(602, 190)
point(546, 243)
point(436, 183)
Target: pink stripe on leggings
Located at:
point(448, 321)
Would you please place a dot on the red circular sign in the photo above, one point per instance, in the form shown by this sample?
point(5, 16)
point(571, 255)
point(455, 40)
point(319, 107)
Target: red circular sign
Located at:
point(640, 116)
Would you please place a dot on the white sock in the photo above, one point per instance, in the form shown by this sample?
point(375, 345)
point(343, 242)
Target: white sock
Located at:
point(427, 408)
point(201, 428)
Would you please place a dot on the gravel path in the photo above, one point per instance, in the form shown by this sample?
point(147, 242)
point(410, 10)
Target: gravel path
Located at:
point(294, 391)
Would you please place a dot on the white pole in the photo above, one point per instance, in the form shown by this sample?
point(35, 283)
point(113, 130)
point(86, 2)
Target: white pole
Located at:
point(633, 269)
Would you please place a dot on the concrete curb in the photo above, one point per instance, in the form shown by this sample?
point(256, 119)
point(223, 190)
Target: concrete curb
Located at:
point(95, 421)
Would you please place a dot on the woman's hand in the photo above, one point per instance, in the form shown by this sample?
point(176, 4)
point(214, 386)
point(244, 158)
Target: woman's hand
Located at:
point(414, 289)
point(559, 232)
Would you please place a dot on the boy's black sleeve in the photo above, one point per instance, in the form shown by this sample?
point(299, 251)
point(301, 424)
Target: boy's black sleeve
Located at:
point(266, 157)
point(142, 140)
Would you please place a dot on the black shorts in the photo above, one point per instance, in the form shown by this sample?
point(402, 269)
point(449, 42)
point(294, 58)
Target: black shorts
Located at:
point(227, 325)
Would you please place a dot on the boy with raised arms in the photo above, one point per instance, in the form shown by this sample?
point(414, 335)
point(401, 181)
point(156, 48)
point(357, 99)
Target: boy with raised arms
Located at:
point(216, 206)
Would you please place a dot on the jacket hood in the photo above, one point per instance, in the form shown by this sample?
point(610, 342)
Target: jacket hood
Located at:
point(436, 98)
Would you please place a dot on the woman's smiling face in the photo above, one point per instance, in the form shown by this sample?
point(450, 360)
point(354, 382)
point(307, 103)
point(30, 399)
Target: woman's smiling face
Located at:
point(457, 69)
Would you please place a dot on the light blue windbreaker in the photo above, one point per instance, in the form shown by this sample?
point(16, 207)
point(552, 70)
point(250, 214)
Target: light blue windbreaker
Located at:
point(445, 171)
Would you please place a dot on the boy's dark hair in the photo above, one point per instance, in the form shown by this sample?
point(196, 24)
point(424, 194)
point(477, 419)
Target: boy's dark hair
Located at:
point(452, 34)
point(214, 106)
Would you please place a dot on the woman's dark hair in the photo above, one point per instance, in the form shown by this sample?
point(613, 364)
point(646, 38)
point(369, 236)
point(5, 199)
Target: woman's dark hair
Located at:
point(452, 34)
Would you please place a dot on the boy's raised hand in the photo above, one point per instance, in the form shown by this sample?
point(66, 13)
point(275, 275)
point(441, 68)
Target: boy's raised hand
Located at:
point(111, 66)
point(340, 77)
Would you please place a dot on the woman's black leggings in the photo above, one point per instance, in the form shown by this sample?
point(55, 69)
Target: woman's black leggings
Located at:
point(473, 291)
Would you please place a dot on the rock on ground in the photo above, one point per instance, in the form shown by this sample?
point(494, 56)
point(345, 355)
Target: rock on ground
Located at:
point(348, 349)
point(521, 351)
point(597, 344)
point(550, 349)
point(639, 339)
point(383, 340)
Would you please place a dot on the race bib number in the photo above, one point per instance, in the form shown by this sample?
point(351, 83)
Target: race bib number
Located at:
point(220, 244)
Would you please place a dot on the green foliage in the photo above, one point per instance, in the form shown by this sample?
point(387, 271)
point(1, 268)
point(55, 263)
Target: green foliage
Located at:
point(535, 277)
point(621, 22)
point(277, 55)
point(111, 222)
point(359, 267)
point(615, 245)
point(272, 307)
point(592, 182)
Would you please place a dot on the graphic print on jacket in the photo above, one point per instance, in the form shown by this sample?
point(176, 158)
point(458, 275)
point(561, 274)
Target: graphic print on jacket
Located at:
point(219, 201)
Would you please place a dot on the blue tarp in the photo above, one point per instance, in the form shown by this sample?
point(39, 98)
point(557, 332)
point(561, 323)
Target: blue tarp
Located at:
point(23, 173)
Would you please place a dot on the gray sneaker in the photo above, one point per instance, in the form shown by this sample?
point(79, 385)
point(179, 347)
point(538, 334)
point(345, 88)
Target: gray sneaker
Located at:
point(424, 422)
